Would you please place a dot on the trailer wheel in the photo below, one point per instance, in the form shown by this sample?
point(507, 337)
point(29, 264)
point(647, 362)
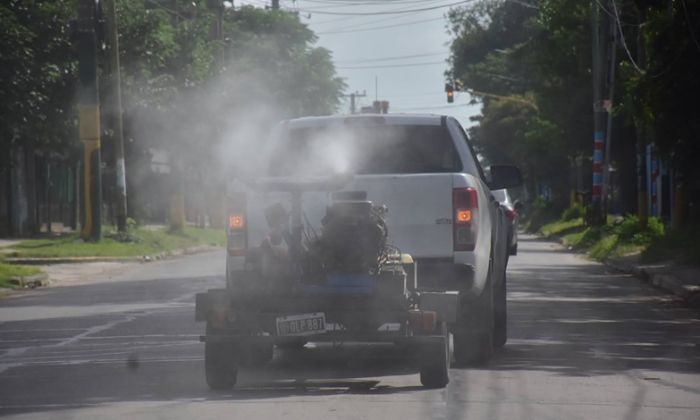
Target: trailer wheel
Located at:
point(436, 362)
point(220, 365)
point(260, 353)
point(220, 361)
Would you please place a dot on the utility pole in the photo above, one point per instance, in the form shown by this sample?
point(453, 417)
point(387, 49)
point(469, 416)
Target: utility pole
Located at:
point(612, 65)
point(640, 124)
point(89, 120)
point(353, 96)
point(48, 195)
point(376, 88)
point(599, 31)
point(220, 35)
point(116, 117)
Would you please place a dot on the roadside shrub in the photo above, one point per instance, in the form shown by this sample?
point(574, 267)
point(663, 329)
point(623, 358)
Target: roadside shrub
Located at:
point(629, 230)
point(584, 239)
point(627, 227)
point(678, 244)
point(576, 211)
point(656, 227)
point(543, 212)
point(539, 203)
point(131, 223)
point(604, 247)
point(131, 234)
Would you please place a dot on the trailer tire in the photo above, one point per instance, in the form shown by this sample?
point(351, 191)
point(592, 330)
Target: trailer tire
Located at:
point(220, 365)
point(436, 362)
point(260, 353)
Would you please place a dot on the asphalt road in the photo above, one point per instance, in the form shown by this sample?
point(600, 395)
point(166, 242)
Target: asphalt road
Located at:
point(583, 344)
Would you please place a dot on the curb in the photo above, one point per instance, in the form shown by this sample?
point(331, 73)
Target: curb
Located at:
point(68, 260)
point(142, 258)
point(663, 281)
point(33, 281)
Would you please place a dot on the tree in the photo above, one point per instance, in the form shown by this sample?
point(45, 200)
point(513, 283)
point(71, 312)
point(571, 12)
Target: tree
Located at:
point(199, 79)
point(660, 87)
point(37, 69)
point(536, 60)
point(208, 96)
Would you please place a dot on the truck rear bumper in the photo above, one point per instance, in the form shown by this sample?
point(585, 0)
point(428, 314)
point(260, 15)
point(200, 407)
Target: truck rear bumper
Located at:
point(441, 275)
point(327, 338)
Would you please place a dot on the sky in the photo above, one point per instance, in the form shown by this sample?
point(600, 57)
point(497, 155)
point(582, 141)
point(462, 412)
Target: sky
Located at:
point(398, 57)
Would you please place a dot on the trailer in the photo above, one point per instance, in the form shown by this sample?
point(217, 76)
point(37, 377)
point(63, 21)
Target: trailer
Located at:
point(344, 284)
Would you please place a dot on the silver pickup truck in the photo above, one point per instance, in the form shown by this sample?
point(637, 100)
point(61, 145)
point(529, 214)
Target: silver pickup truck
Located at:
point(387, 214)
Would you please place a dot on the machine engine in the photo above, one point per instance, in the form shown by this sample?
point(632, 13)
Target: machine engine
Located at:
point(353, 239)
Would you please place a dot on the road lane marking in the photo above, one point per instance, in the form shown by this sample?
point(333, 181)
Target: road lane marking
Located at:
point(34, 313)
point(138, 311)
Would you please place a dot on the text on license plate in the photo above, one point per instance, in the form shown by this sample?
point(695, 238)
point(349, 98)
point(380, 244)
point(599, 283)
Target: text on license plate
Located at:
point(303, 324)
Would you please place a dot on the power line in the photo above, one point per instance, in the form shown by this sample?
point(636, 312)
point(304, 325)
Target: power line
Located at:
point(609, 13)
point(396, 57)
point(383, 12)
point(329, 5)
point(359, 24)
point(622, 38)
point(387, 66)
point(324, 22)
point(416, 95)
point(511, 98)
point(524, 4)
point(420, 108)
point(165, 9)
point(627, 51)
point(376, 28)
point(690, 27)
point(367, 2)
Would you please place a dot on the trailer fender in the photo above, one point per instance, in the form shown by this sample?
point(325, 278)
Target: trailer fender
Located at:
point(214, 300)
point(445, 304)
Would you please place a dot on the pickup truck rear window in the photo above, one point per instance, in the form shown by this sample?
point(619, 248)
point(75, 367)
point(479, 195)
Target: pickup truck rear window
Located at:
point(374, 149)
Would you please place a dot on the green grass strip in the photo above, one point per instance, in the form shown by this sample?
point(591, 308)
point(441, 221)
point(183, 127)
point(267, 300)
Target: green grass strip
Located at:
point(137, 243)
point(7, 271)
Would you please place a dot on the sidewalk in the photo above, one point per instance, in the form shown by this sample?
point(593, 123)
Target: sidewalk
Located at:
point(76, 270)
point(9, 242)
point(136, 258)
point(680, 280)
point(671, 277)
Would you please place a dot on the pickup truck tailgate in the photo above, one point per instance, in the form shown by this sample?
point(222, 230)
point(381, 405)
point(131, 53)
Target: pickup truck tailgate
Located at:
point(420, 210)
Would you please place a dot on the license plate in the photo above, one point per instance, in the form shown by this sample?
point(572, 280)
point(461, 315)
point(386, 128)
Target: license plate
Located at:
point(304, 324)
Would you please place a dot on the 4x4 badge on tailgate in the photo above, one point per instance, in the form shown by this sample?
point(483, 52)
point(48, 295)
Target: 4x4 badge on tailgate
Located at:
point(443, 221)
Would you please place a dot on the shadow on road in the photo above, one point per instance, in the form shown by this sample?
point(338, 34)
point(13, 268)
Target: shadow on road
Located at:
point(319, 371)
point(571, 317)
point(566, 317)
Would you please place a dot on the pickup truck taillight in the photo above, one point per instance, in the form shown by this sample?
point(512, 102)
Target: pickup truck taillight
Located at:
point(465, 205)
point(237, 237)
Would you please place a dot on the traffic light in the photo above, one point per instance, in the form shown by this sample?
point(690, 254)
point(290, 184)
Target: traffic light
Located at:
point(450, 92)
